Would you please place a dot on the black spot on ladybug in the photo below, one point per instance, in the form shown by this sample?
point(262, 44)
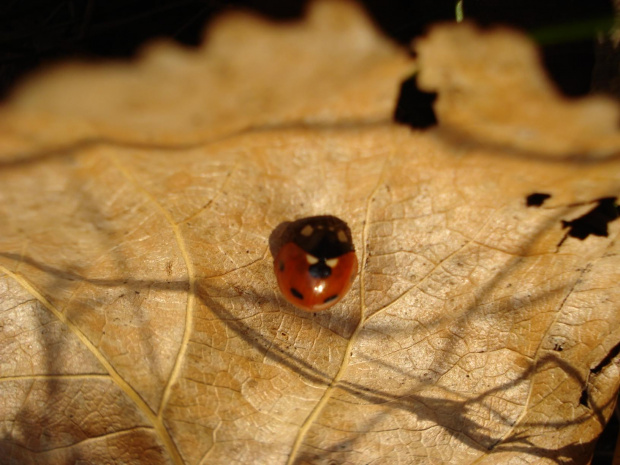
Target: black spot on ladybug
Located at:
point(330, 298)
point(297, 294)
point(594, 222)
point(281, 266)
point(536, 199)
point(415, 107)
point(320, 270)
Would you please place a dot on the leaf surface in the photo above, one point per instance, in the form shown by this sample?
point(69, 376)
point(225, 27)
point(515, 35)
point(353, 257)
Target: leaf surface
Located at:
point(140, 318)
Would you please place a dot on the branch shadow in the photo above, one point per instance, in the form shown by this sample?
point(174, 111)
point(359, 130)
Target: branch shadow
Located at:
point(474, 434)
point(19, 446)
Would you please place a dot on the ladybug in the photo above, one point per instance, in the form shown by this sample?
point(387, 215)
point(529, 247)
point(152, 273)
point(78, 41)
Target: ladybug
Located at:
point(316, 264)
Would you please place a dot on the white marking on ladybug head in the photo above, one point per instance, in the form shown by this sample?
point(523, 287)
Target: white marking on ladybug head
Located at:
point(311, 259)
point(332, 262)
point(307, 231)
point(342, 237)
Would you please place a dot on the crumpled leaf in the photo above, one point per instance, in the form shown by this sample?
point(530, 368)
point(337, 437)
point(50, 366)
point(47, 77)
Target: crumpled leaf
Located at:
point(141, 321)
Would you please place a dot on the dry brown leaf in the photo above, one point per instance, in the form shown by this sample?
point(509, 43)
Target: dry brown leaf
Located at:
point(140, 318)
point(501, 67)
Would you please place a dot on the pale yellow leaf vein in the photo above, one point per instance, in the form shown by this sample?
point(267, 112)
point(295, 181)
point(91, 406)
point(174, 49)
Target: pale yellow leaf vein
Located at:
point(327, 394)
point(140, 403)
point(212, 446)
point(106, 437)
point(240, 267)
point(536, 358)
point(212, 200)
point(191, 275)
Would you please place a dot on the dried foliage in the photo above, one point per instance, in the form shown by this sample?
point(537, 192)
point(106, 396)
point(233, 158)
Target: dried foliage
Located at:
point(140, 319)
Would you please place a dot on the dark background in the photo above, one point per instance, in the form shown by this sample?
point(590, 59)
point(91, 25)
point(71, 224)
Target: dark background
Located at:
point(34, 33)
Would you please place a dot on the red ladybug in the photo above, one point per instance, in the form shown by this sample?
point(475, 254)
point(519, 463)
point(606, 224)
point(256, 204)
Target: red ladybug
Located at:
point(316, 264)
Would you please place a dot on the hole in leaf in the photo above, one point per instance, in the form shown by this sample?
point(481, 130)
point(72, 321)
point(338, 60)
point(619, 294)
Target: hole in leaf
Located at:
point(595, 221)
point(415, 107)
point(536, 199)
point(583, 399)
